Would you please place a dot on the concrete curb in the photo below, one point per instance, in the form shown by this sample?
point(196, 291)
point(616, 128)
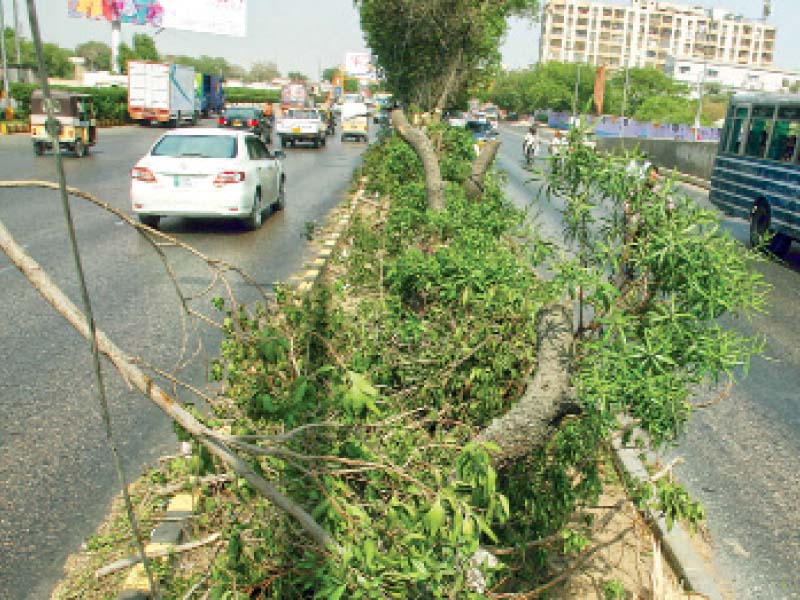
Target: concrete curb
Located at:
point(676, 544)
point(336, 224)
point(168, 534)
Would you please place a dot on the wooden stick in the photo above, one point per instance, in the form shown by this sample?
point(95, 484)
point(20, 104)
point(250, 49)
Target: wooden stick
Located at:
point(124, 563)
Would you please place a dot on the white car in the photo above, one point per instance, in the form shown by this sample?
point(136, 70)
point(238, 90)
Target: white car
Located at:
point(207, 172)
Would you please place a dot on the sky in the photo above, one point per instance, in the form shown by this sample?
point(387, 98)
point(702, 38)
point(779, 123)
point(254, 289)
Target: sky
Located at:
point(311, 35)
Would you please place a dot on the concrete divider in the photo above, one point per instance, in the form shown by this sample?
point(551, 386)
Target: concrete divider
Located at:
point(690, 158)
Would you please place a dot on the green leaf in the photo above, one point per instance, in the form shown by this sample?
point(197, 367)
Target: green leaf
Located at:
point(435, 518)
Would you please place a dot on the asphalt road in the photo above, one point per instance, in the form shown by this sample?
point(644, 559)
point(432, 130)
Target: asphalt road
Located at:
point(742, 455)
point(56, 472)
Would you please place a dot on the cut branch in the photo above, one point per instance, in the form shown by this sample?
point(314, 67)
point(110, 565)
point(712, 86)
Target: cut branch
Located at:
point(481, 164)
point(422, 146)
point(133, 560)
point(134, 376)
point(531, 421)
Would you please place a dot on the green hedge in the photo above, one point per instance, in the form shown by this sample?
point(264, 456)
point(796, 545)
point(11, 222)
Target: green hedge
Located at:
point(109, 103)
point(239, 94)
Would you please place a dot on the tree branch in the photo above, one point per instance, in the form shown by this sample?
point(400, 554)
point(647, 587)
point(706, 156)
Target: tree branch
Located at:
point(421, 144)
point(481, 164)
point(529, 423)
point(134, 376)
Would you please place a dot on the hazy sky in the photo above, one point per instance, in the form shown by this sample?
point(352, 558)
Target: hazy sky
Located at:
point(309, 35)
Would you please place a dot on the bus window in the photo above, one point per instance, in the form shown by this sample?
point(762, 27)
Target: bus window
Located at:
point(735, 140)
point(757, 138)
point(784, 140)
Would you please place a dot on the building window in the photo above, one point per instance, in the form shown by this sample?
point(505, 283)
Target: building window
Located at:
point(685, 70)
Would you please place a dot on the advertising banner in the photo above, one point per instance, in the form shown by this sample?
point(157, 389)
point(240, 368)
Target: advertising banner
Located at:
point(224, 17)
point(358, 64)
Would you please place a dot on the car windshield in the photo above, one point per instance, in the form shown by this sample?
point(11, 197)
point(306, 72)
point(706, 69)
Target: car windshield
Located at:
point(478, 126)
point(202, 146)
point(303, 114)
point(241, 113)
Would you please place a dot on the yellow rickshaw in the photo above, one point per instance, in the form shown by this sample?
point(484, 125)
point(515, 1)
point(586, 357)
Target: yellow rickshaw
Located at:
point(75, 124)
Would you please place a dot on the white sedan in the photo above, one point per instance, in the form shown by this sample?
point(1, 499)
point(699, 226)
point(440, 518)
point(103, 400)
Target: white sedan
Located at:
point(207, 172)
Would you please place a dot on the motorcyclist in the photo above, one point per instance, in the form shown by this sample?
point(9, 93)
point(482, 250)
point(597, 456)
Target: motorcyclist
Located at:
point(530, 145)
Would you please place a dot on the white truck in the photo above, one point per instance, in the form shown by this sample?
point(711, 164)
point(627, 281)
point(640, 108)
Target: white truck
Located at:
point(302, 125)
point(162, 93)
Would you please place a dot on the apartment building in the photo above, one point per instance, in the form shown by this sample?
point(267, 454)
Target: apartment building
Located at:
point(644, 33)
point(714, 76)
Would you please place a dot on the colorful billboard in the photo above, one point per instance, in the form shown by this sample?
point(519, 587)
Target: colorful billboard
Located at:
point(224, 17)
point(139, 12)
point(358, 64)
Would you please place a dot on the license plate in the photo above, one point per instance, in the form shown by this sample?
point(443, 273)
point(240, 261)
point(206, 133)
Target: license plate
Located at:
point(183, 181)
point(237, 123)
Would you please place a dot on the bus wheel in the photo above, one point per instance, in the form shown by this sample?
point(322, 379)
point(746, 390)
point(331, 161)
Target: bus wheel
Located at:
point(759, 230)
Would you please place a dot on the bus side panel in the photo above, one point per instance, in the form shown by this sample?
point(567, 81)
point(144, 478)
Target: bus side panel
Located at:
point(738, 181)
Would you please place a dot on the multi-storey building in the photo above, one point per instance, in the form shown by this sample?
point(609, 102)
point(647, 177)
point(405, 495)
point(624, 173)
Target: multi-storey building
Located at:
point(646, 32)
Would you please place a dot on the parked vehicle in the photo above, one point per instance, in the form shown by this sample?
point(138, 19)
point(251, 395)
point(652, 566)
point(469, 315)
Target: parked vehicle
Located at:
point(162, 93)
point(248, 118)
point(757, 169)
point(208, 172)
point(75, 116)
point(302, 125)
point(355, 121)
point(482, 131)
point(210, 93)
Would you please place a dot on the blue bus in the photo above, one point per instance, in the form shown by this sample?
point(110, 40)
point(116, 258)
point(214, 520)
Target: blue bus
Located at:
point(756, 172)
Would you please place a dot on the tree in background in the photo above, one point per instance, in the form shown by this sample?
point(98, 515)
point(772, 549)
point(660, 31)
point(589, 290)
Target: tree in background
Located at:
point(430, 52)
point(329, 73)
point(211, 65)
point(433, 50)
point(297, 76)
point(143, 48)
point(643, 83)
point(97, 55)
point(263, 71)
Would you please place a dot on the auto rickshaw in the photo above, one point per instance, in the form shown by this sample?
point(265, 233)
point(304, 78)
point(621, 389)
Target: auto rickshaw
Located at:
point(75, 124)
point(355, 121)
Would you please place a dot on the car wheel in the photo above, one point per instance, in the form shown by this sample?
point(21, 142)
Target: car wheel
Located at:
point(38, 148)
point(280, 202)
point(316, 142)
point(759, 229)
point(150, 220)
point(254, 220)
point(80, 149)
point(283, 142)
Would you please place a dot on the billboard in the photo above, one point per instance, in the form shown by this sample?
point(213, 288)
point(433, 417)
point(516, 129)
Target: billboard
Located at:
point(225, 17)
point(358, 64)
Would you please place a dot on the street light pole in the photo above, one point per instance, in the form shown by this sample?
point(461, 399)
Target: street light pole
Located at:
point(6, 95)
point(624, 100)
point(701, 86)
point(16, 32)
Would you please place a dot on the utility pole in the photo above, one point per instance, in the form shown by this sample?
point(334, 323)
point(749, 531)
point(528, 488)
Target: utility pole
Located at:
point(16, 32)
point(6, 95)
point(624, 100)
point(116, 39)
point(701, 85)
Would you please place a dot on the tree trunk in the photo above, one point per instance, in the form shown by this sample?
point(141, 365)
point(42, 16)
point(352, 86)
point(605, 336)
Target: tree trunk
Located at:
point(532, 420)
point(421, 144)
point(481, 164)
